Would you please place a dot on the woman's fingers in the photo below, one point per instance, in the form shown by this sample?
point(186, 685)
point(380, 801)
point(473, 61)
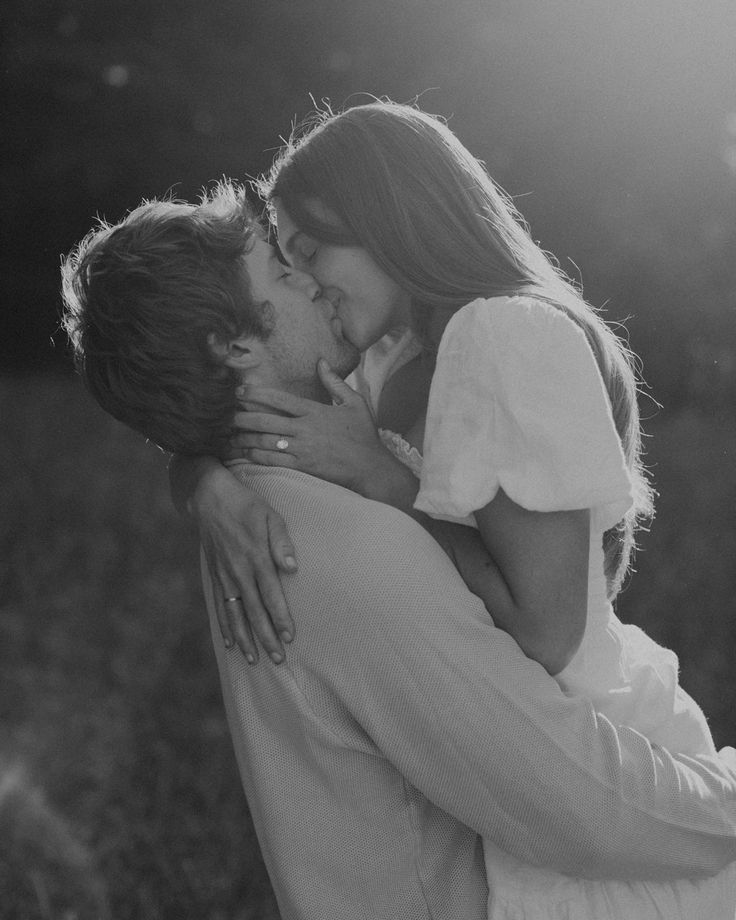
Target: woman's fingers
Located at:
point(247, 440)
point(340, 392)
point(269, 398)
point(261, 610)
point(279, 620)
point(247, 548)
point(230, 608)
point(252, 610)
point(255, 621)
point(238, 627)
point(282, 550)
point(223, 619)
point(220, 592)
point(263, 422)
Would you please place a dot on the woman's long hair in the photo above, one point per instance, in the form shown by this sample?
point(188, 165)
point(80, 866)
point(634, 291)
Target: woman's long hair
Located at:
point(402, 186)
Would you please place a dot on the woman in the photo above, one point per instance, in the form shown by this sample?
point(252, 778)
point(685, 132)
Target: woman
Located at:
point(528, 423)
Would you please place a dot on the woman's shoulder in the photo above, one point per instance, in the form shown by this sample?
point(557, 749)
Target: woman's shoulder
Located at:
point(513, 310)
point(517, 329)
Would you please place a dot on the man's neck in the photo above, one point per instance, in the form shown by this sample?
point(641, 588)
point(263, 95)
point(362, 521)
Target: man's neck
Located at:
point(312, 390)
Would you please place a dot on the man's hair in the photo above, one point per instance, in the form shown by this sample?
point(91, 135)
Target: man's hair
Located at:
point(141, 298)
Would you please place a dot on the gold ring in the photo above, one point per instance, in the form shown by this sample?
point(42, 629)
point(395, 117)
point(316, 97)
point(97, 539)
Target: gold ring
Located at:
point(282, 444)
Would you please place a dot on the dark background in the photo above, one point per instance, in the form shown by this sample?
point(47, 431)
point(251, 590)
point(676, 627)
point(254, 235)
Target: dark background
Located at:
point(613, 125)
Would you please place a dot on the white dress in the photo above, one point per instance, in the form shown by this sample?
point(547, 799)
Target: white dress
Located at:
point(517, 401)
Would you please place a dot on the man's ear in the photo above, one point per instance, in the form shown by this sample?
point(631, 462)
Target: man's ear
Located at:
point(241, 354)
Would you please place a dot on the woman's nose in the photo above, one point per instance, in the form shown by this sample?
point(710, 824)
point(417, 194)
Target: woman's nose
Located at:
point(307, 283)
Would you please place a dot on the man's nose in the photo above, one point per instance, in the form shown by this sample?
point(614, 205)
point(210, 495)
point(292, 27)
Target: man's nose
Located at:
point(307, 283)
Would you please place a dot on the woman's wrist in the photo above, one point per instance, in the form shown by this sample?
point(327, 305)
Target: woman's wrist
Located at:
point(386, 479)
point(213, 480)
point(186, 474)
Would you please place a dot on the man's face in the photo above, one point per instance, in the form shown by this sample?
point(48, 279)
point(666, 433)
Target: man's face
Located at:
point(306, 326)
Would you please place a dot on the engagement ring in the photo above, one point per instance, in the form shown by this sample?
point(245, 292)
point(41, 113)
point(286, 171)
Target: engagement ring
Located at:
point(282, 444)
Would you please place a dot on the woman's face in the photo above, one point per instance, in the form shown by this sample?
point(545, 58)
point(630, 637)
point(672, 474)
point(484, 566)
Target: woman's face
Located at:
point(368, 302)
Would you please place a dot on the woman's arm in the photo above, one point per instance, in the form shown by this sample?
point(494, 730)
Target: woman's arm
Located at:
point(335, 441)
point(533, 575)
point(245, 543)
point(530, 569)
point(185, 474)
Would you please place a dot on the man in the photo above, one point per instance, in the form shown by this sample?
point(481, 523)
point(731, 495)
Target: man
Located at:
point(167, 311)
point(403, 726)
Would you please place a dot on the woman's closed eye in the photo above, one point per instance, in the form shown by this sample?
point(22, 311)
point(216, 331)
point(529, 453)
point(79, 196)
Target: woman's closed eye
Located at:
point(305, 254)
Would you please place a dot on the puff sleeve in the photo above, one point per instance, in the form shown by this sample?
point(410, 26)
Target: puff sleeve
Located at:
point(517, 401)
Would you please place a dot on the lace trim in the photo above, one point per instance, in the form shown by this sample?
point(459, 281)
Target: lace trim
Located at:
point(402, 450)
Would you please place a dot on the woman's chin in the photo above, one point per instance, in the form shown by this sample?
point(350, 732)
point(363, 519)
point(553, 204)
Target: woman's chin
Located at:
point(341, 333)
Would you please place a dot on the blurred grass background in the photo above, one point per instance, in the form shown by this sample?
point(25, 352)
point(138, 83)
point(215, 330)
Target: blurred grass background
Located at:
point(614, 128)
point(109, 692)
